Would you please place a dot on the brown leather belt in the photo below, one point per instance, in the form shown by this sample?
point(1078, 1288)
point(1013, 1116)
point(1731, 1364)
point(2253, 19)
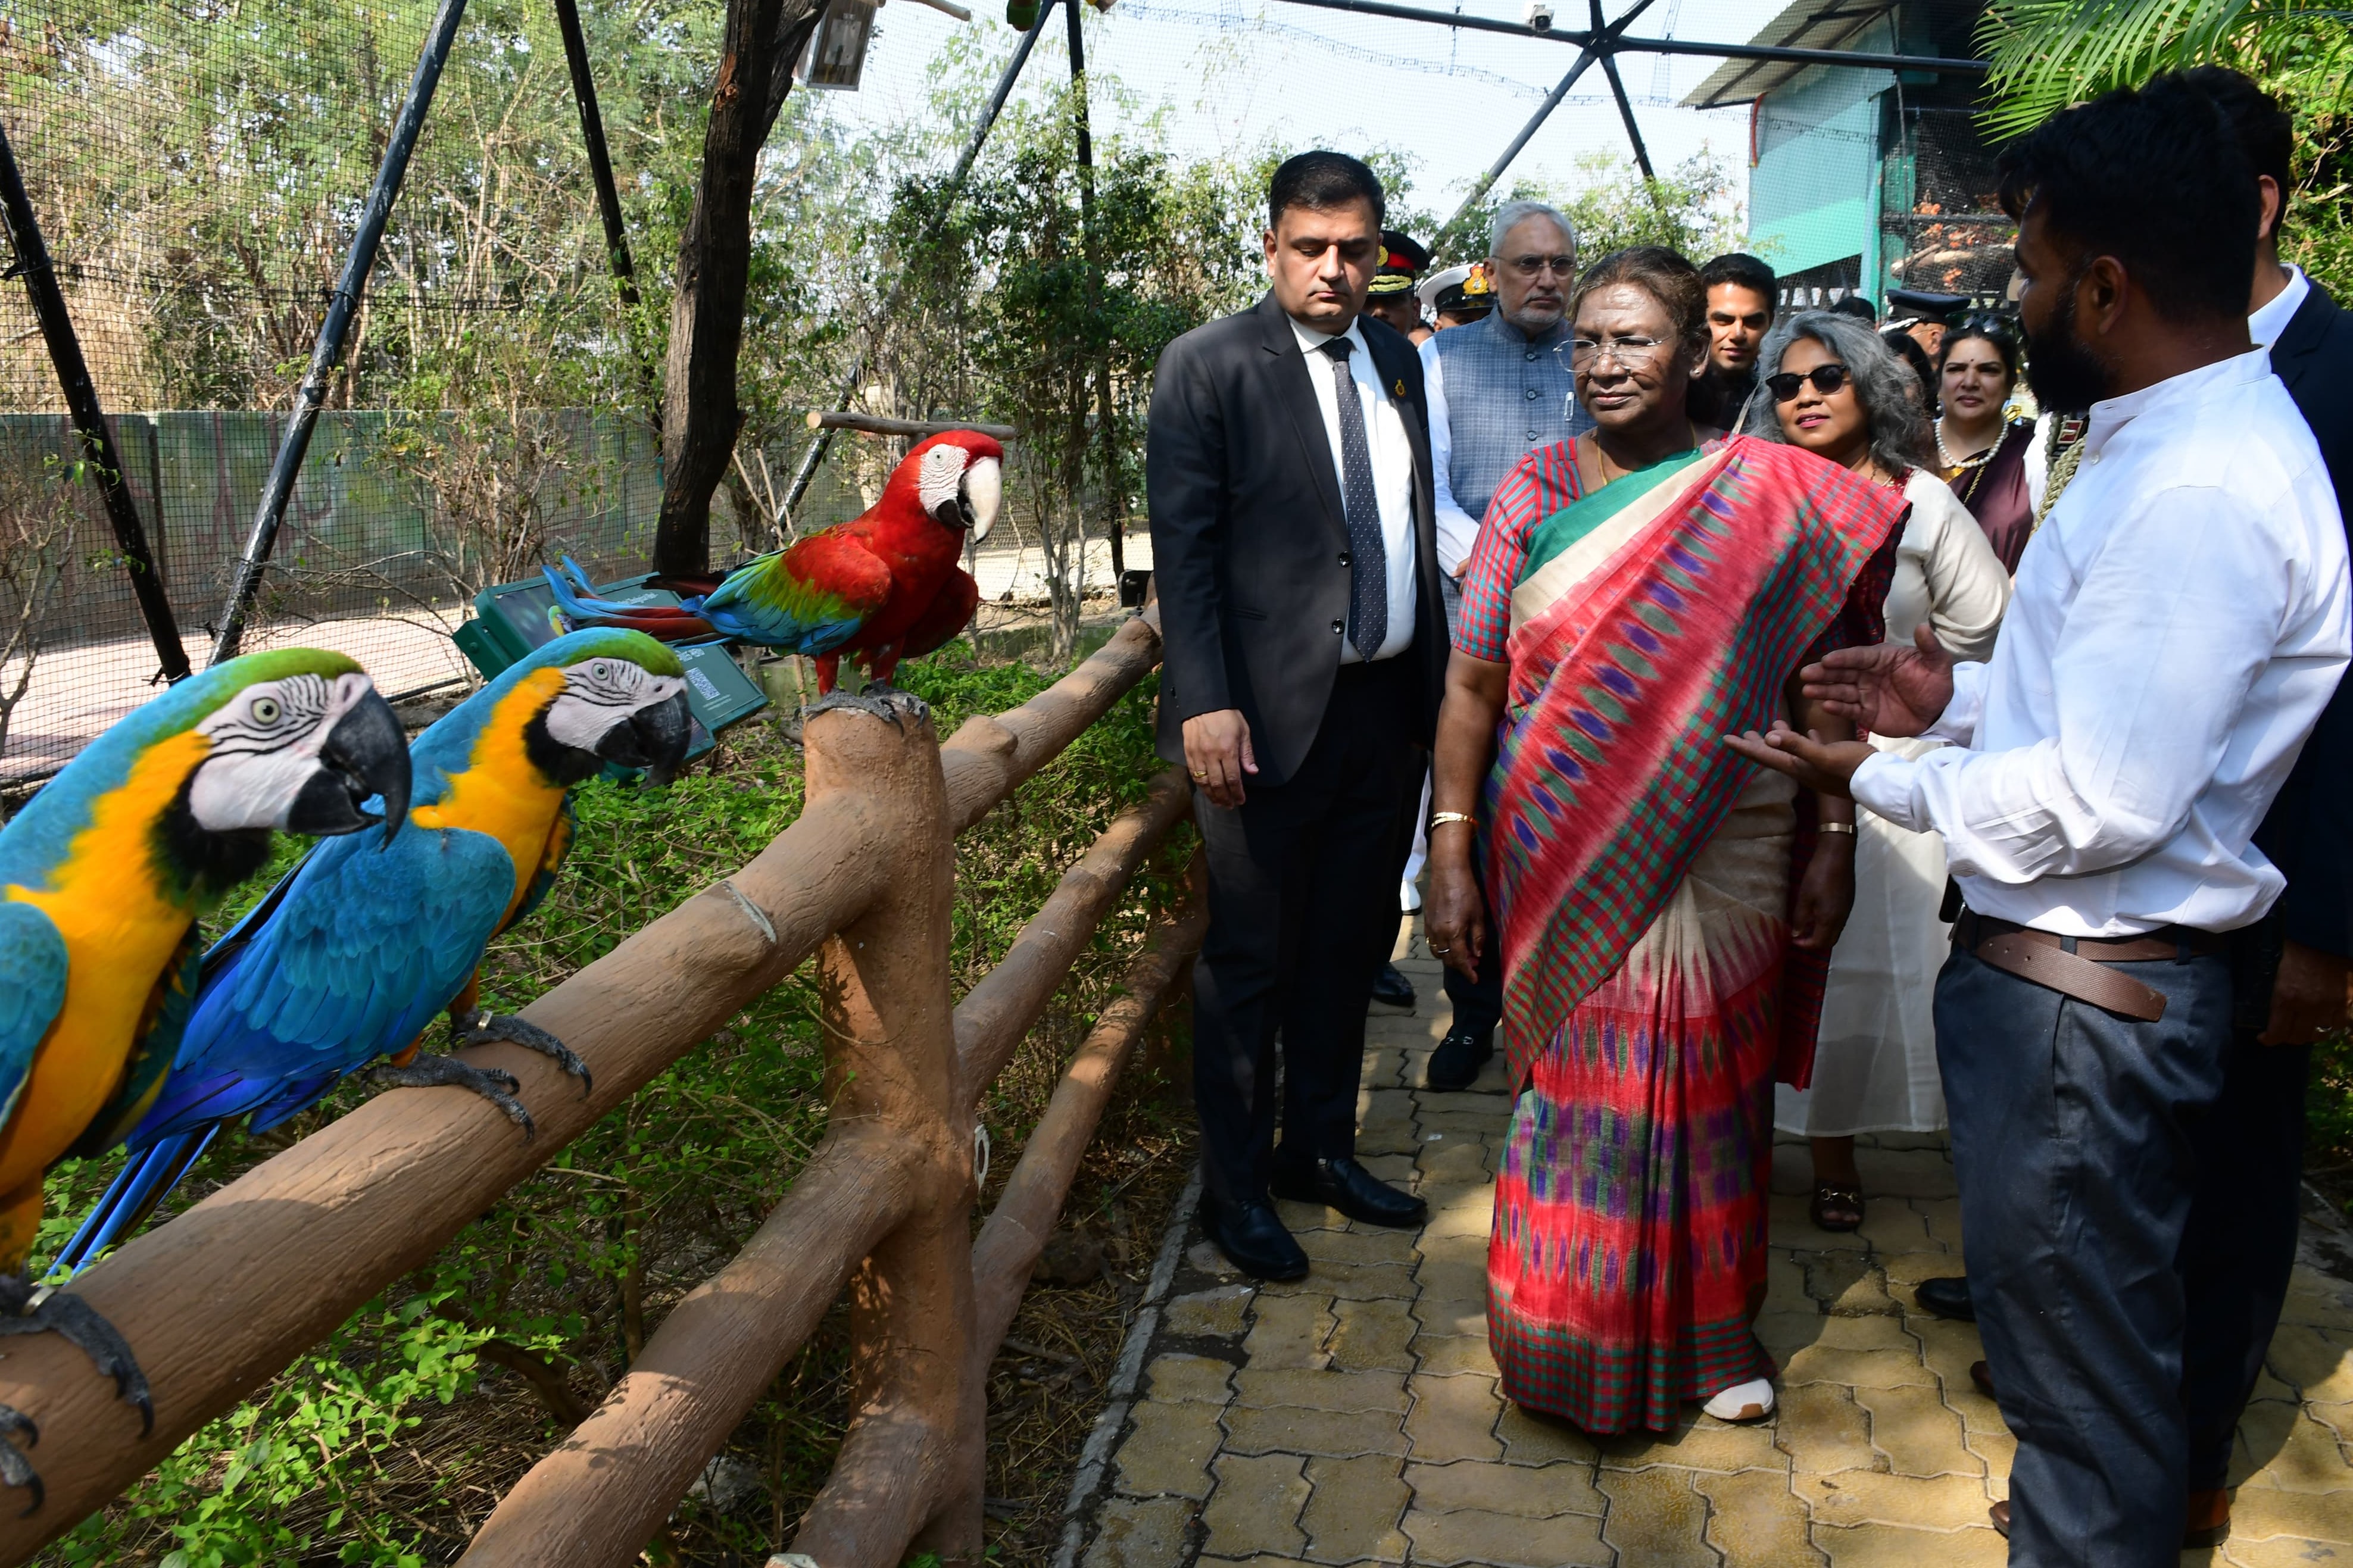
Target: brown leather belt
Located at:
point(2042, 958)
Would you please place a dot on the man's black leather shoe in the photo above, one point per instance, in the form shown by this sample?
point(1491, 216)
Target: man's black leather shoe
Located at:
point(1392, 989)
point(1254, 1239)
point(1947, 1298)
point(1455, 1063)
point(1347, 1186)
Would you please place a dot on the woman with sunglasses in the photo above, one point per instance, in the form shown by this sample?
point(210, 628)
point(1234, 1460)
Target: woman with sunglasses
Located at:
point(1833, 388)
point(1664, 923)
point(1979, 454)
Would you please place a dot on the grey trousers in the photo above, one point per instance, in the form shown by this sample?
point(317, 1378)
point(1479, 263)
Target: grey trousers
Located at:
point(2075, 1137)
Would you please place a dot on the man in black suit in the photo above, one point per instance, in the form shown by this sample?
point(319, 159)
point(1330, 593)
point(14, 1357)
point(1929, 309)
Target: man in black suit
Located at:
point(1295, 557)
point(2240, 1248)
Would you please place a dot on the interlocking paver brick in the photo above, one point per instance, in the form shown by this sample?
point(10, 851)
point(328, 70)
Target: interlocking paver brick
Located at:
point(1467, 1536)
point(1998, 1448)
point(1352, 1515)
point(1460, 1209)
point(1217, 1313)
point(1757, 1521)
point(2315, 1363)
point(1468, 1250)
point(1451, 1159)
point(1887, 1546)
point(1141, 1533)
point(2257, 1512)
point(2316, 1300)
point(1823, 1430)
point(1893, 1226)
point(1702, 1444)
point(1943, 1217)
point(1189, 1377)
point(2276, 1552)
point(1170, 1450)
point(1848, 1284)
point(1856, 1369)
point(1785, 1283)
point(1784, 1335)
point(1905, 1172)
point(1531, 1439)
point(2299, 1454)
point(1358, 1246)
point(1532, 1491)
point(1289, 1331)
point(2338, 1418)
point(1918, 1432)
point(1656, 1518)
point(1256, 1506)
point(1453, 1418)
point(1452, 1315)
point(1864, 1496)
point(1374, 1335)
point(1446, 1354)
point(1454, 1281)
point(1906, 1270)
point(1947, 1348)
point(1356, 1281)
point(1384, 1066)
point(1340, 1433)
point(1288, 1388)
point(1297, 1216)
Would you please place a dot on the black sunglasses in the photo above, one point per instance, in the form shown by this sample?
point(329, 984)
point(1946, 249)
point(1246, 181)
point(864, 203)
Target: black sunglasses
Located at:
point(1827, 379)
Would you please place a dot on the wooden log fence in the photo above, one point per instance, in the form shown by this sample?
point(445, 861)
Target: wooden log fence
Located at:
point(228, 1293)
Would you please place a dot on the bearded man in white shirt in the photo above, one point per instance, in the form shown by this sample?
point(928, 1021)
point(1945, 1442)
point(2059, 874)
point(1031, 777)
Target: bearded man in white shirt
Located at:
point(2180, 621)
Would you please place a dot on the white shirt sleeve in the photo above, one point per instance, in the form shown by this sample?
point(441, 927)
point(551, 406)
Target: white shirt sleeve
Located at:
point(1968, 589)
point(1457, 531)
point(2149, 677)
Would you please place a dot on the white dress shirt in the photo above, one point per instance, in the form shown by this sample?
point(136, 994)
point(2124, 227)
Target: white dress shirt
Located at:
point(1457, 531)
point(2180, 620)
point(1392, 454)
point(2265, 325)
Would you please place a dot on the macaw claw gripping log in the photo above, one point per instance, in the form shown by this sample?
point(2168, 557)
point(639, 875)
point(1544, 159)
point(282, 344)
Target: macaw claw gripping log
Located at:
point(349, 959)
point(883, 587)
point(102, 876)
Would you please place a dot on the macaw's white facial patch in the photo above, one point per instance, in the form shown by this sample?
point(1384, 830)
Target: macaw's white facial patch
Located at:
point(265, 747)
point(599, 694)
point(984, 491)
point(940, 479)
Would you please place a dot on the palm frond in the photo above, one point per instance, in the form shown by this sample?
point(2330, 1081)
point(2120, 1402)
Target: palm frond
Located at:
point(2048, 54)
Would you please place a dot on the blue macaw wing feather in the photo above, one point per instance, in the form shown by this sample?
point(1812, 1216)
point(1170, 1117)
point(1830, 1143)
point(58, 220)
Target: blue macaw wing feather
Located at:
point(360, 953)
point(33, 964)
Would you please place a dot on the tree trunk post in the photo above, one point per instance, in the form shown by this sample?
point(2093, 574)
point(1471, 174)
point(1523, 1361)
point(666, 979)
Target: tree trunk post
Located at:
point(1115, 487)
point(700, 416)
point(911, 1466)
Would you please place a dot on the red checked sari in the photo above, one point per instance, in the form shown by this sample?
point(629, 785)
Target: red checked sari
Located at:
point(1640, 873)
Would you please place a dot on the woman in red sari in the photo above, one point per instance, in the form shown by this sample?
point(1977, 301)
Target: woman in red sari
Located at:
point(1665, 909)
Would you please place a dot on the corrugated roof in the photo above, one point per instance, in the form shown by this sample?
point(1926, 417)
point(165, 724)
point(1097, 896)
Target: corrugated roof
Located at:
point(1803, 24)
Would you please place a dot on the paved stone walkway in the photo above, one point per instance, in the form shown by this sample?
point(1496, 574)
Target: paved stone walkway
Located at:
point(1352, 1416)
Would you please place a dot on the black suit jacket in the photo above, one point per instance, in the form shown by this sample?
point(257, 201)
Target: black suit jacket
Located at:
point(2308, 832)
point(1248, 540)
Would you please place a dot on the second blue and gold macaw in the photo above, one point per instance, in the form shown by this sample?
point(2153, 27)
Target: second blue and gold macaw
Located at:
point(352, 956)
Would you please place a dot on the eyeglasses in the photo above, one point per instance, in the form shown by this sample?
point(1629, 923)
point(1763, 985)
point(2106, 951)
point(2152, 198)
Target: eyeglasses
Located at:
point(1535, 265)
point(1632, 354)
point(1827, 379)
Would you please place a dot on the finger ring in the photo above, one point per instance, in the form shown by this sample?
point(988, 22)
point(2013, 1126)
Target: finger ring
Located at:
point(1441, 950)
point(1200, 776)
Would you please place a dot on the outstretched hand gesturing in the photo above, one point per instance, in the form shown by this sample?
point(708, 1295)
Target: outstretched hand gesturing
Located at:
point(1888, 689)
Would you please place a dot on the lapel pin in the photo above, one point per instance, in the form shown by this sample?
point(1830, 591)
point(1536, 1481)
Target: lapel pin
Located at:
point(1400, 386)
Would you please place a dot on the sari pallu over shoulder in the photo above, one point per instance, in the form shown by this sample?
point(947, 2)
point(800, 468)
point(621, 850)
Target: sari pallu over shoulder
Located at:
point(1634, 651)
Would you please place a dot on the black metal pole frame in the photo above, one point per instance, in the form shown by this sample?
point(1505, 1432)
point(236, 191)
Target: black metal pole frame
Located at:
point(608, 196)
point(810, 458)
point(98, 452)
point(336, 330)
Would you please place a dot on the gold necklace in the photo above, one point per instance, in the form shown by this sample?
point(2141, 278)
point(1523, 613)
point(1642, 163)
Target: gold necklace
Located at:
point(1936, 428)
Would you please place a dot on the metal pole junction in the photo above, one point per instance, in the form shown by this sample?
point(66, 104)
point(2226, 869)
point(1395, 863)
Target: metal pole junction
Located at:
point(335, 330)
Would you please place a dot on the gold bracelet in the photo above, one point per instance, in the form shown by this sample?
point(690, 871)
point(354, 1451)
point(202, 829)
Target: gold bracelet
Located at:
point(1846, 828)
point(1441, 819)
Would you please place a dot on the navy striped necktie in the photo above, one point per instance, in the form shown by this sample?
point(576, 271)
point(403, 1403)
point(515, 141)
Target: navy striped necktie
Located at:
point(1368, 571)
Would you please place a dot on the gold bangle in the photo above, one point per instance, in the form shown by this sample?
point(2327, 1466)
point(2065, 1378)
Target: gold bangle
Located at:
point(1846, 828)
point(1441, 819)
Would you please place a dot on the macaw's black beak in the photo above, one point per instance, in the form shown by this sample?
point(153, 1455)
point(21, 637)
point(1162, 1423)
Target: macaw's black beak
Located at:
point(653, 739)
point(365, 754)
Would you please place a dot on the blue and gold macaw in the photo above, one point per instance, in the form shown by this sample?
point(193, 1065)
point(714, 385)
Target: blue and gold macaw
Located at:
point(352, 956)
point(102, 876)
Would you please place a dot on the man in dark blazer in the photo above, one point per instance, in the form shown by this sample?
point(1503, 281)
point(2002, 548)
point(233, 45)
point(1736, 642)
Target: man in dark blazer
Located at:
point(1295, 556)
point(2240, 1248)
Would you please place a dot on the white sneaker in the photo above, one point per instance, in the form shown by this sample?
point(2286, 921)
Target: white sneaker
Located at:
point(1751, 1400)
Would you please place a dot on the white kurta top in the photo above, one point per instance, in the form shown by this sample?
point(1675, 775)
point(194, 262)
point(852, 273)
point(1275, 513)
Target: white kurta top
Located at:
point(1875, 1062)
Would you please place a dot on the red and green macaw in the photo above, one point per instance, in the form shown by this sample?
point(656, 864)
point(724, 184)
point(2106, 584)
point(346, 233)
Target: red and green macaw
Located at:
point(883, 587)
point(102, 876)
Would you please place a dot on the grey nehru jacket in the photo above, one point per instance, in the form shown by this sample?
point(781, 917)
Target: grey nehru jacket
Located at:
point(1503, 394)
